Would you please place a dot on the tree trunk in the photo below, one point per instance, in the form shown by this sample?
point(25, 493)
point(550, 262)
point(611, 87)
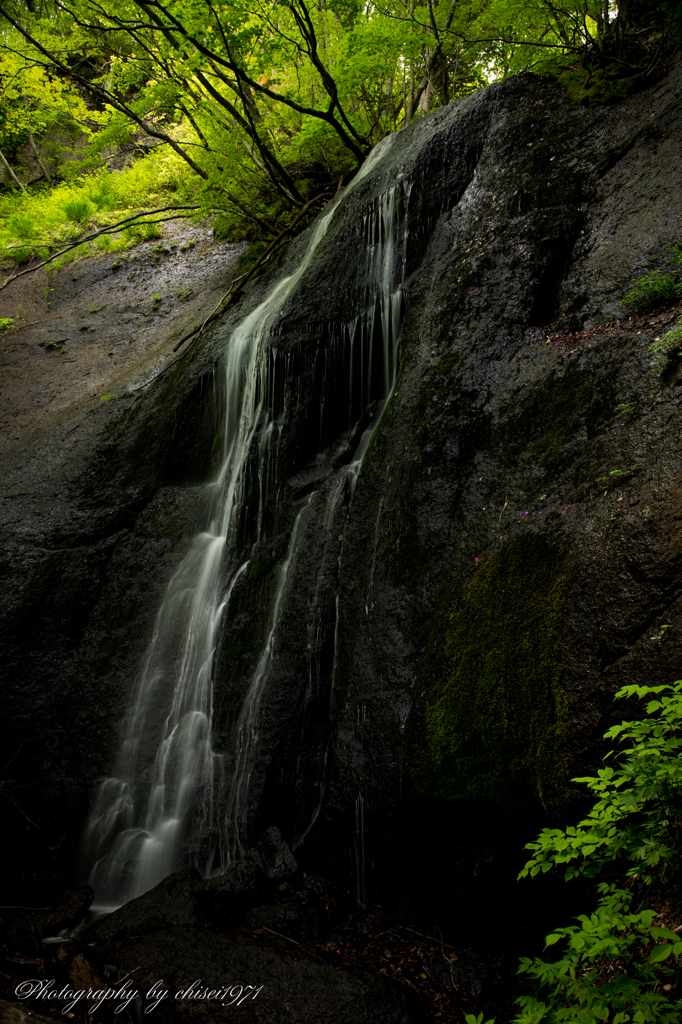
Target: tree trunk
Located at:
point(2, 157)
point(36, 154)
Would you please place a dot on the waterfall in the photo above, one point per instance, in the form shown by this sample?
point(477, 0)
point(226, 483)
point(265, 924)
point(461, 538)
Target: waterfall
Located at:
point(168, 802)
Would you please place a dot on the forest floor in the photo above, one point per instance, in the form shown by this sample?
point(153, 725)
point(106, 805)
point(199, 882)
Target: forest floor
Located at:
point(441, 982)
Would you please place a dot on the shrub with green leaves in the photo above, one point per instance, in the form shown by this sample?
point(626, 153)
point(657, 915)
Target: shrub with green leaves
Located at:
point(617, 965)
point(77, 210)
point(657, 287)
point(22, 225)
point(666, 349)
point(652, 290)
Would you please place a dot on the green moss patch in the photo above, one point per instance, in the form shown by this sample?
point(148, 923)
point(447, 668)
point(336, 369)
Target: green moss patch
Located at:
point(546, 418)
point(493, 728)
point(448, 364)
point(555, 416)
point(611, 84)
point(259, 568)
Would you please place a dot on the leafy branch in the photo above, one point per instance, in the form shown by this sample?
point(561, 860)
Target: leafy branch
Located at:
point(618, 964)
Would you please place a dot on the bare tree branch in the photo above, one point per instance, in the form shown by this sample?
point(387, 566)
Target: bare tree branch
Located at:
point(109, 229)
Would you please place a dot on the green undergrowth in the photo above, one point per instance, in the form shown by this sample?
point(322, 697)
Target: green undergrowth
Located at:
point(659, 287)
point(606, 85)
point(627, 54)
point(43, 220)
point(621, 962)
point(494, 725)
point(667, 350)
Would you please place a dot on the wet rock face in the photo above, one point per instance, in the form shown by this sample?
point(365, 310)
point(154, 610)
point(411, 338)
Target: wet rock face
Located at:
point(70, 910)
point(455, 627)
point(515, 532)
point(297, 983)
point(96, 507)
point(495, 585)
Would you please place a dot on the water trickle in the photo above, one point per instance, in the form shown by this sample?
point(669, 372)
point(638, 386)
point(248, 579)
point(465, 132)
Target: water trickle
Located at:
point(359, 843)
point(247, 729)
point(167, 803)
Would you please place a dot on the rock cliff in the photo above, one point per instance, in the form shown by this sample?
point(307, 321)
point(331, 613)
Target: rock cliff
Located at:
point(456, 622)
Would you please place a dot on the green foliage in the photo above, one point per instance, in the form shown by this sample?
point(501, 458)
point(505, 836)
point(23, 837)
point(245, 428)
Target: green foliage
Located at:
point(645, 782)
point(610, 970)
point(6, 322)
point(676, 253)
point(144, 232)
point(77, 210)
point(668, 348)
point(52, 218)
point(268, 105)
point(587, 89)
point(624, 410)
point(224, 228)
point(657, 288)
point(653, 290)
point(614, 476)
point(22, 225)
point(34, 102)
point(617, 964)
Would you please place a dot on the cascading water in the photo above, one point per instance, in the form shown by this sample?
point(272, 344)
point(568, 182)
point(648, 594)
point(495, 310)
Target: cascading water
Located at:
point(168, 803)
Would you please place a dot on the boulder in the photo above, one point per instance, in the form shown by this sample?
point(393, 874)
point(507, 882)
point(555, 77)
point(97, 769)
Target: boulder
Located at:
point(184, 898)
point(290, 983)
point(276, 859)
point(226, 897)
point(13, 1013)
point(69, 911)
point(171, 902)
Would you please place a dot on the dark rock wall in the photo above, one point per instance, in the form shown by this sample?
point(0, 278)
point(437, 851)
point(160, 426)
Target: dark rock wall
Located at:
point(497, 591)
point(454, 635)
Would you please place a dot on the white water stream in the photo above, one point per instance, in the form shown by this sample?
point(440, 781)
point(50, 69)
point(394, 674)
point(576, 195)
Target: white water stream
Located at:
point(167, 803)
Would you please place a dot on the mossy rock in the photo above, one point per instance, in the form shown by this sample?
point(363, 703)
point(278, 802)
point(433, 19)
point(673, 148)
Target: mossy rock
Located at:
point(447, 365)
point(259, 568)
point(555, 414)
point(494, 727)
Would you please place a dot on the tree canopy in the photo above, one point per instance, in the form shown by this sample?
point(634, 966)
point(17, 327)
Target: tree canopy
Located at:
point(264, 105)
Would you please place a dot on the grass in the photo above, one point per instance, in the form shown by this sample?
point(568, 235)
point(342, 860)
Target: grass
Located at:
point(78, 210)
